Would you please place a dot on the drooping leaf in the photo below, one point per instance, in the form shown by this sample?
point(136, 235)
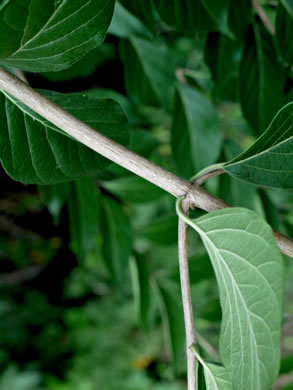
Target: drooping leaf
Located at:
point(117, 240)
point(125, 25)
point(143, 10)
point(54, 197)
point(268, 162)
point(34, 151)
point(185, 16)
point(133, 189)
point(141, 287)
point(149, 71)
point(171, 308)
point(84, 217)
point(223, 56)
point(261, 80)
point(219, 12)
point(284, 29)
point(249, 271)
point(196, 138)
point(44, 36)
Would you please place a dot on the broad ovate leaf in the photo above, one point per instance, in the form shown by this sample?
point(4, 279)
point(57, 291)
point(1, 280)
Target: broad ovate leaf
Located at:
point(268, 162)
point(50, 35)
point(196, 138)
point(34, 151)
point(249, 272)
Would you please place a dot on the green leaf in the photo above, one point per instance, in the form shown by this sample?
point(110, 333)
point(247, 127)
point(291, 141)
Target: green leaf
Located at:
point(84, 215)
point(162, 231)
point(172, 312)
point(216, 376)
point(200, 268)
point(223, 56)
point(196, 138)
point(127, 106)
point(185, 16)
point(268, 162)
point(219, 12)
point(133, 189)
point(117, 240)
point(249, 271)
point(44, 36)
point(143, 10)
point(54, 197)
point(284, 29)
point(261, 80)
point(34, 151)
point(124, 24)
point(149, 72)
point(239, 18)
point(141, 287)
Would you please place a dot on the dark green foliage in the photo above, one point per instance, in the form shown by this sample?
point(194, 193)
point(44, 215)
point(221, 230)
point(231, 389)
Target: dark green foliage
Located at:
point(89, 280)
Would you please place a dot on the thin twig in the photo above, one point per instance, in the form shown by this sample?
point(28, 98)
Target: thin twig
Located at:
point(214, 172)
point(263, 16)
point(120, 155)
point(186, 296)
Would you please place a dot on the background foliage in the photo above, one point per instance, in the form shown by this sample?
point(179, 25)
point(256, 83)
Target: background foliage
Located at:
point(89, 280)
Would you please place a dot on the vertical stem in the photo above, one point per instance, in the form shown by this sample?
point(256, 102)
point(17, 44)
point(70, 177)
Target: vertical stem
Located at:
point(186, 297)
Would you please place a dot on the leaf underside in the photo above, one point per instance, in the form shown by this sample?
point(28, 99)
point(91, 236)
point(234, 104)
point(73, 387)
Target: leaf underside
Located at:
point(249, 271)
point(268, 162)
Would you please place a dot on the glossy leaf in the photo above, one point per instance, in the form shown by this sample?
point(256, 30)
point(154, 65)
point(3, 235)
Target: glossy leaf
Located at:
point(117, 240)
point(84, 217)
point(196, 137)
point(284, 29)
point(249, 271)
point(149, 72)
point(268, 162)
point(261, 80)
point(34, 151)
point(44, 36)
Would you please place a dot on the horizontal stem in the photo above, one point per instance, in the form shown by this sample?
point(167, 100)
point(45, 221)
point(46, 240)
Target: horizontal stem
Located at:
point(117, 153)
